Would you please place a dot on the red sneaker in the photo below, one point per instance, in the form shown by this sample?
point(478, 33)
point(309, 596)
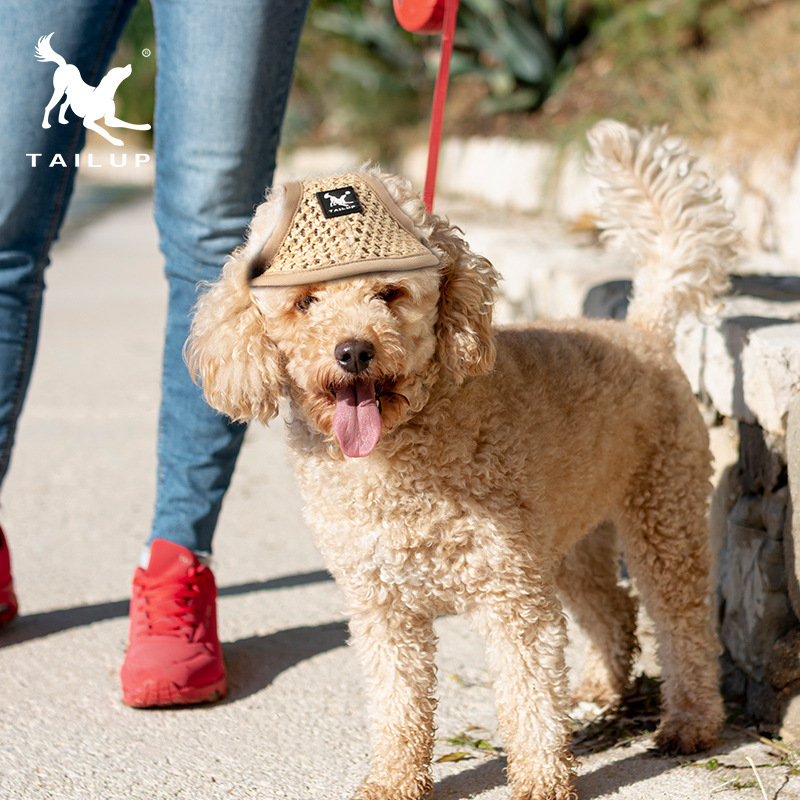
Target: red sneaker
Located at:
point(174, 656)
point(8, 600)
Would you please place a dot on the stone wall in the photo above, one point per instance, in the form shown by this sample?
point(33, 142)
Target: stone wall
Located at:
point(758, 624)
point(744, 366)
point(744, 369)
point(539, 177)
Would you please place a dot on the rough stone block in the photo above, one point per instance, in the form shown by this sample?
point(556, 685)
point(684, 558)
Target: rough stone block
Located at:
point(502, 173)
point(755, 605)
point(788, 213)
point(576, 191)
point(784, 663)
point(746, 360)
point(789, 729)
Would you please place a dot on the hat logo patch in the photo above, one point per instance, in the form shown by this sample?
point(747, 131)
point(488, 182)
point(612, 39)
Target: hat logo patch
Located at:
point(337, 202)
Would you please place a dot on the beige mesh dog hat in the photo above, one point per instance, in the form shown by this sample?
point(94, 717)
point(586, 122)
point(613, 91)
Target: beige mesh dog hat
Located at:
point(338, 227)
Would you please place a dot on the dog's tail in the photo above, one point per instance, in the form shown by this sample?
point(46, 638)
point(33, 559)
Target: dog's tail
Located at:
point(44, 52)
point(660, 207)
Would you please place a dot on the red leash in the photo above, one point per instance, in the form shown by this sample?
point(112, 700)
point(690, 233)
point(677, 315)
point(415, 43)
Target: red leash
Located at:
point(432, 16)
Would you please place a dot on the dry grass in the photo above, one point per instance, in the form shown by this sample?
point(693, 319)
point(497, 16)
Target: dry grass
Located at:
point(756, 73)
point(743, 87)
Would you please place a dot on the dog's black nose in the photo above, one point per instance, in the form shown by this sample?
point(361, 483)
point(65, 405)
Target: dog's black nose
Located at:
point(354, 355)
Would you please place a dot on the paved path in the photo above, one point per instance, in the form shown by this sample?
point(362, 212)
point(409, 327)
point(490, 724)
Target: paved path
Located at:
point(76, 507)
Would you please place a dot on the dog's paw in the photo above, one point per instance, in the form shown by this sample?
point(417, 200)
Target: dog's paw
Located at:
point(410, 789)
point(684, 736)
point(542, 780)
point(557, 793)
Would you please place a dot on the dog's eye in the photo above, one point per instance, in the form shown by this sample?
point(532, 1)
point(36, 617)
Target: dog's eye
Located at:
point(388, 294)
point(304, 303)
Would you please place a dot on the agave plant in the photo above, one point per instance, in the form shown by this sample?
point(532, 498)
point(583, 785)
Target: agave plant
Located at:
point(519, 47)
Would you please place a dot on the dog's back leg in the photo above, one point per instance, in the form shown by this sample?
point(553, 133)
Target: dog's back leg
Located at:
point(667, 547)
point(588, 585)
point(111, 120)
point(93, 126)
point(60, 81)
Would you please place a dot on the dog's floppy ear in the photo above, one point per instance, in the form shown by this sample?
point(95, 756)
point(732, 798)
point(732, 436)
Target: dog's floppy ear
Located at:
point(464, 329)
point(228, 351)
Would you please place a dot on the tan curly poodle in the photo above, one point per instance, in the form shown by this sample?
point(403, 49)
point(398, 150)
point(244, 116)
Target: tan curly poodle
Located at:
point(448, 467)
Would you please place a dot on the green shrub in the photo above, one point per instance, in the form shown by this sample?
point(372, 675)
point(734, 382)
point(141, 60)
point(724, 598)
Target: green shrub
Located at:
point(135, 97)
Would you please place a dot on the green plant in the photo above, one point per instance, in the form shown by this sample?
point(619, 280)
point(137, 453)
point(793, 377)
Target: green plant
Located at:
point(470, 746)
point(519, 47)
point(634, 30)
point(135, 98)
point(359, 77)
point(360, 73)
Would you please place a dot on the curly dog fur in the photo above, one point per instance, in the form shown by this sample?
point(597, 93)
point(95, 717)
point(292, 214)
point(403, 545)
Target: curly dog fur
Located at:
point(509, 463)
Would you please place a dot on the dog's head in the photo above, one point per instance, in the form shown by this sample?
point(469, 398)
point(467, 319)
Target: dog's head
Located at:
point(355, 355)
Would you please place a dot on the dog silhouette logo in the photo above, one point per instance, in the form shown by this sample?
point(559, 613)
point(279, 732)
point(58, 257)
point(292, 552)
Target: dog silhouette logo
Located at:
point(337, 202)
point(92, 103)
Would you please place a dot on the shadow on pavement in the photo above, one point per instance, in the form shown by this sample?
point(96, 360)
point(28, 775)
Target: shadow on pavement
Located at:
point(480, 778)
point(603, 781)
point(36, 626)
point(253, 664)
point(609, 778)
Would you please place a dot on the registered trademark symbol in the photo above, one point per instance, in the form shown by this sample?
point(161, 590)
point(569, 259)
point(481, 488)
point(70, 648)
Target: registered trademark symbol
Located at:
point(146, 53)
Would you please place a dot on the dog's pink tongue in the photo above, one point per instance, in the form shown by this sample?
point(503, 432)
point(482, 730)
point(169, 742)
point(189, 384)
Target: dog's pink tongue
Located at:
point(357, 420)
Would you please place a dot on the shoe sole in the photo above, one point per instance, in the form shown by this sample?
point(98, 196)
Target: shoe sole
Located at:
point(160, 694)
point(7, 614)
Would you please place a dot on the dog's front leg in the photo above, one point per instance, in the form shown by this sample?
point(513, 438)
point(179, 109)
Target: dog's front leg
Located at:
point(396, 648)
point(111, 120)
point(93, 126)
point(525, 637)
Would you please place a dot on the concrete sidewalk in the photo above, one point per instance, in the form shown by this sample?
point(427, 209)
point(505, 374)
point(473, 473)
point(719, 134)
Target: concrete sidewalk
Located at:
point(76, 508)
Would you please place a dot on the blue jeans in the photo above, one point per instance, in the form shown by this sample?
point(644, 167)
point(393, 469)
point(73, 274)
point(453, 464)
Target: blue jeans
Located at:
point(224, 70)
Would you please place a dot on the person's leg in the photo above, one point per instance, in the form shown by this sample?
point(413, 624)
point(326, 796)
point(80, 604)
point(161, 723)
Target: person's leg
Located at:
point(224, 70)
point(34, 195)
